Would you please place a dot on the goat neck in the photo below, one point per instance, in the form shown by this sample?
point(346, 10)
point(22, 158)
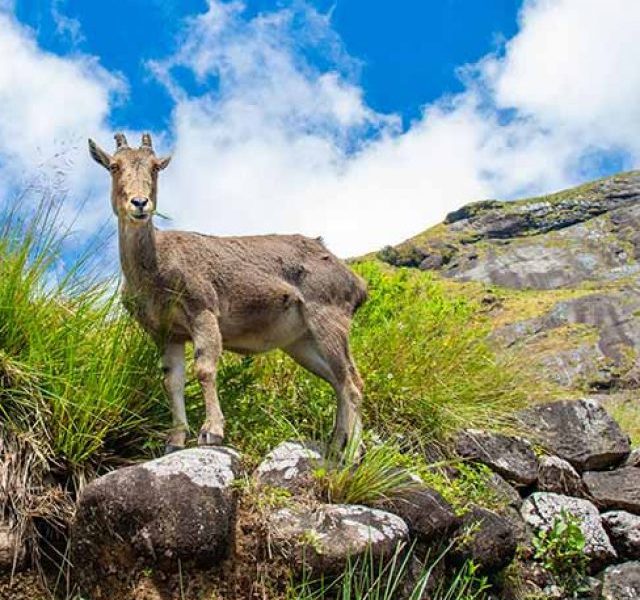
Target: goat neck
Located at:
point(138, 256)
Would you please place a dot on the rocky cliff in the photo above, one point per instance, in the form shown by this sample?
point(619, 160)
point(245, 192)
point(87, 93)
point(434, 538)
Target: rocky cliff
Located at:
point(560, 275)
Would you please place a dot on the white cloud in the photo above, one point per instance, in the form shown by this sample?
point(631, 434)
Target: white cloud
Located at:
point(574, 67)
point(277, 145)
point(272, 143)
point(49, 105)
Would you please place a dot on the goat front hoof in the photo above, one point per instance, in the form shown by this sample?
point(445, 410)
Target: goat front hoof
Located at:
point(171, 448)
point(206, 438)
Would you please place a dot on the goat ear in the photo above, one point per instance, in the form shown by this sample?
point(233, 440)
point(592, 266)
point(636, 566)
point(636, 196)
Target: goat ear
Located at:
point(163, 162)
point(99, 155)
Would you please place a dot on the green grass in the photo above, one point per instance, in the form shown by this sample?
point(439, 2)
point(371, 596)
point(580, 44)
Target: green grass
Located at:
point(77, 377)
point(370, 579)
point(80, 384)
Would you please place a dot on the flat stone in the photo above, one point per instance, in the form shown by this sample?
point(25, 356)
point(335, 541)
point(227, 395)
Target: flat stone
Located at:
point(541, 509)
point(176, 510)
point(489, 541)
point(621, 582)
point(289, 465)
point(581, 432)
point(558, 476)
point(324, 538)
point(511, 457)
point(619, 489)
point(428, 515)
point(624, 532)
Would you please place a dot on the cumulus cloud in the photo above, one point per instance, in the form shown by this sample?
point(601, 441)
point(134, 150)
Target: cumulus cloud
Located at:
point(274, 144)
point(48, 106)
point(266, 140)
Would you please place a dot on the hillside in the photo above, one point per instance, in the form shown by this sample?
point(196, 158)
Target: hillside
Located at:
point(448, 345)
point(559, 275)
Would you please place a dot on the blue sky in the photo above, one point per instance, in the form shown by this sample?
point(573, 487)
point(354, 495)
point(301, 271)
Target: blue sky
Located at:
point(406, 57)
point(362, 121)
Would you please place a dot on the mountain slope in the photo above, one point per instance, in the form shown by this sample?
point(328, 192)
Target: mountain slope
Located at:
point(560, 275)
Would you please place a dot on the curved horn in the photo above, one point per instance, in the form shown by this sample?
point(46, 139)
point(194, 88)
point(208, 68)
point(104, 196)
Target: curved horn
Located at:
point(121, 141)
point(146, 141)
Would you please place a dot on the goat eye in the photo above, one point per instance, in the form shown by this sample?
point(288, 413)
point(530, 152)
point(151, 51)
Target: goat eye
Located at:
point(113, 167)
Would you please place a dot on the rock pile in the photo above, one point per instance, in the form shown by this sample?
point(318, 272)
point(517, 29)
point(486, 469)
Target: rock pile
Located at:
point(589, 472)
point(180, 510)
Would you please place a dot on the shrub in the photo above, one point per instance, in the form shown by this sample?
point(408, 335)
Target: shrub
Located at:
point(560, 550)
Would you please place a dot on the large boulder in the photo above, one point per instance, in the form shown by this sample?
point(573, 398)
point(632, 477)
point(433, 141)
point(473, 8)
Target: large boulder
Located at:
point(487, 538)
point(558, 476)
point(176, 510)
point(619, 489)
point(622, 582)
point(290, 465)
point(428, 515)
point(511, 457)
point(581, 432)
point(624, 532)
point(322, 539)
point(541, 509)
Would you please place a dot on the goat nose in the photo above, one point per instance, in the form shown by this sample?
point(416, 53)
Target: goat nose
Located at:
point(139, 202)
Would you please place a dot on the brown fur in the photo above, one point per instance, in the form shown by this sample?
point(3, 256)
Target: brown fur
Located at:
point(245, 294)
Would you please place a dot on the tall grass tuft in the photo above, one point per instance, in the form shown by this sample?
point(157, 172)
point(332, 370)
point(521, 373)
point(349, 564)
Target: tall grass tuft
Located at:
point(76, 373)
point(400, 575)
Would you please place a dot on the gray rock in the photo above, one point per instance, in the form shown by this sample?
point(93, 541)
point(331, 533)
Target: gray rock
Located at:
point(12, 550)
point(624, 532)
point(511, 457)
point(594, 589)
point(541, 509)
point(619, 489)
point(178, 509)
point(521, 531)
point(504, 491)
point(324, 538)
point(621, 582)
point(581, 432)
point(428, 515)
point(289, 465)
point(487, 539)
point(633, 460)
point(558, 476)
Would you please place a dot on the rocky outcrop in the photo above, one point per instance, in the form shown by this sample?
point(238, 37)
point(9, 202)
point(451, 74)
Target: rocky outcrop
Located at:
point(541, 509)
point(585, 239)
point(290, 466)
point(178, 509)
point(622, 582)
point(624, 532)
point(323, 538)
point(581, 433)
point(511, 244)
point(511, 457)
point(619, 489)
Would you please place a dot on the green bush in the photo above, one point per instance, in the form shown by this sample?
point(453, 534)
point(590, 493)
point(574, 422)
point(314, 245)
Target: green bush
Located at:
point(560, 550)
